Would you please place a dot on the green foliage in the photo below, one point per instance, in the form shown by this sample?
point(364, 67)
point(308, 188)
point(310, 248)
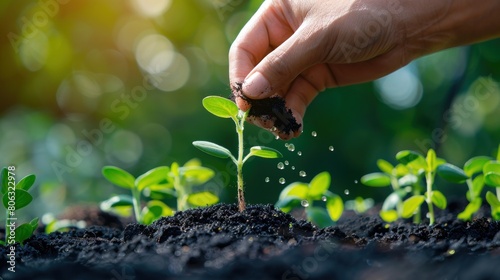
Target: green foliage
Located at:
point(159, 184)
point(407, 179)
point(491, 173)
point(14, 197)
point(225, 108)
point(359, 204)
point(300, 194)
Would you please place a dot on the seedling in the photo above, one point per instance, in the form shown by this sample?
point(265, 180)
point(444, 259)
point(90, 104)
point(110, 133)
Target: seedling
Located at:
point(225, 108)
point(302, 194)
point(153, 210)
point(53, 224)
point(180, 184)
point(473, 168)
point(491, 171)
point(15, 197)
point(359, 204)
point(159, 183)
point(416, 167)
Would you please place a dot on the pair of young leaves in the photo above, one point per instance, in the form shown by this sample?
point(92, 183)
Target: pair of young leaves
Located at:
point(299, 194)
point(22, 199)
point(407, 173)
point(225, 108)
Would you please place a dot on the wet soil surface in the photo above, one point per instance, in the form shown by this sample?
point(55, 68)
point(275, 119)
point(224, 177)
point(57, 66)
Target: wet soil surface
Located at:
point(219, 242)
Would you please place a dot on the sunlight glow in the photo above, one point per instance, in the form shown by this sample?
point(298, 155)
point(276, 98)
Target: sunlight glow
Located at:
point(151, 8)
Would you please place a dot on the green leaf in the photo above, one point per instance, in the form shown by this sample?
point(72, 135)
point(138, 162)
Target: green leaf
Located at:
point(376, 179)
point(152, 177)
point(451, 173)
point(477, 186)
point(385, 166)
point(401, 170)
point(24, 232)
point(495, 205)
point(202, 199)
point(335, 207)
point(391, 201)
point(212, 149)
point(116, 201)
point(319, 184)
point(265, 152)
point(220, 106)
point(296, 189)
point(319, 217)
point(22, 198)
point(491, 166)
point(197, 175)
point(438, 199)
point(192, 163)
point(288, 203)
point(475, 165)
point(26, 182)
point(154, 210)
point(389, 215)
point(492, 179)
point(411, 205)
point(118, 176)
point(431, 160)
point(4, 180)
point(470, 209)
point(411, 159)
point(407, 180)
point(174, 170)
point(34, 223)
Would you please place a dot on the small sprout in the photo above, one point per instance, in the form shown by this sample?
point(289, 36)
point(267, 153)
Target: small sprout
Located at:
point(359, 205)
point(225, 108)
point(159, 184)
point(304, 195)
point(406, 179)
point(14, 197)
point(491, 173)
point(473, 168)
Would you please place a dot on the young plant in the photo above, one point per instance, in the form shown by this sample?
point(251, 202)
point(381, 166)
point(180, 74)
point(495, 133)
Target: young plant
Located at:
point(180, 184)
point(302, 194)
point(473, 168)
point(359, 204)
point(225, 108)
point(153, 210)
point(14, 197)
point(417, 166)
point(491, 171)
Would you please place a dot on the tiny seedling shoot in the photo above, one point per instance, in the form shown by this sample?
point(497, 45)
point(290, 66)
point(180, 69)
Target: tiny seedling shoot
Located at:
point(304, 195)
point(159, 184)
point(14, 197)
point(225, 108)
point(406, 178)
point(491, 171)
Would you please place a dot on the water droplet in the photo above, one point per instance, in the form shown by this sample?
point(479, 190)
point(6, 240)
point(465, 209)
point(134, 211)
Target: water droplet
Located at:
point(266, 180)
point(299, 153)
point(302, 173)
point(304, 203)
point(286, 145)
point(277, 137)
point(314, 133)
point(428, 215)
point(286, 162)
point(331, 148)
point(273, 129)
point(293, 167)
point(291, 147)
point(355, 181)
point(323, 198)
point(346, 191)
point(281, 165)
point(282, 180)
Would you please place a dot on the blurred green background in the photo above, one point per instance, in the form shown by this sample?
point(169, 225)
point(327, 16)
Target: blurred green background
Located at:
point(88, 83)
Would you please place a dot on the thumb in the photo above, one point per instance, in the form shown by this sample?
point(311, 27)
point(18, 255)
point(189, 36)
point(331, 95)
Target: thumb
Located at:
point(276, 71)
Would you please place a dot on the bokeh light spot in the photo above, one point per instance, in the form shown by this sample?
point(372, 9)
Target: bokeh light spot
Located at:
point(154, 53)
point(124, 148)
point(400, 90)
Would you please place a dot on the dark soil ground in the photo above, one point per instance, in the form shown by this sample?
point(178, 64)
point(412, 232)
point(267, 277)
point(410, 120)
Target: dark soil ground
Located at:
point(219, 242)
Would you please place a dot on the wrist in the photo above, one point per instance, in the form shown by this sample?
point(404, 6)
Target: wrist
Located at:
point(436, 25)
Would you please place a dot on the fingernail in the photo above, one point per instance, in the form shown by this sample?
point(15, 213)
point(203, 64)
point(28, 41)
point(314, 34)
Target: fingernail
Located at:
point(255, 85)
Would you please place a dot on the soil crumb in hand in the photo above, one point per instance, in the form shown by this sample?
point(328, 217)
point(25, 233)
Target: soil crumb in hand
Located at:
point(271, 109)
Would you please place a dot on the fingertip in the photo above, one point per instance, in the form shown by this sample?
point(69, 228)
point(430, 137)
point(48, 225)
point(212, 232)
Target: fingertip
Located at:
point(256, 86)
point(242, 104)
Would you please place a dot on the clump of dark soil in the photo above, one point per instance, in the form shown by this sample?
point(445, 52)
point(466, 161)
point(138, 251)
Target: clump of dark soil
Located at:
point(271, 109)
point(219, 242)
